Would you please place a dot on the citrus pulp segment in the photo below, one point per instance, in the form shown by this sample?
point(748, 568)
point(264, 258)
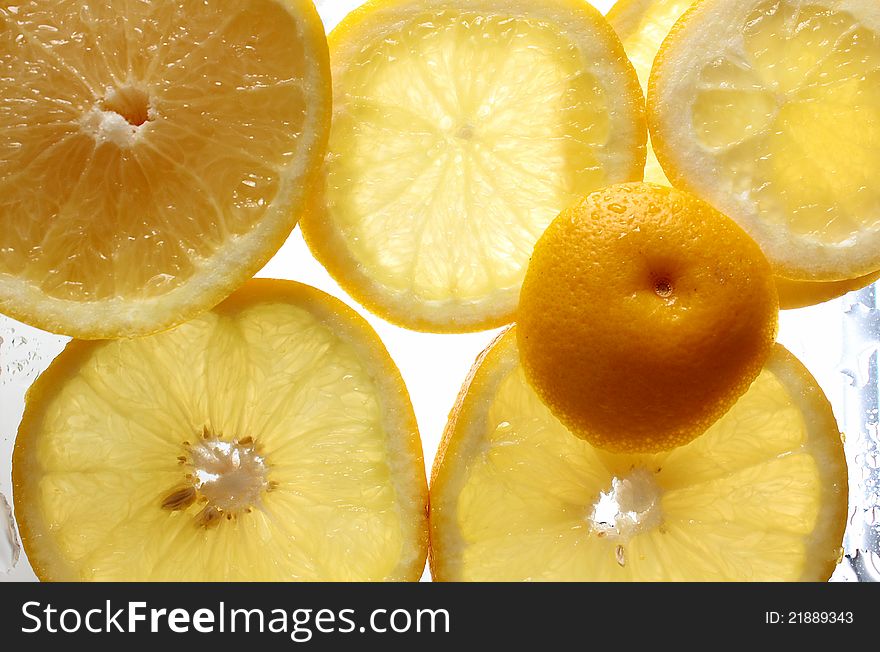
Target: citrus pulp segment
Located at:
point(271, 438)
point(515, 496)
point(460, 129)
point(153, 155)
point(644, 315)
point(769, 109)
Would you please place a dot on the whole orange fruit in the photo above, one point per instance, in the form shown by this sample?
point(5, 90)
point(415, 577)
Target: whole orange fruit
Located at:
point(644, 315)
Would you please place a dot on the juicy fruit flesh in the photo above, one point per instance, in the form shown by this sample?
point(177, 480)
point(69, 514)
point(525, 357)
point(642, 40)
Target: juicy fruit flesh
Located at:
point(641, 42)
point(642, 25)
point(792, 113)
point(458, 135)
point(518, 497)
point(447, 97)
point(132, 146)
point(249, 445)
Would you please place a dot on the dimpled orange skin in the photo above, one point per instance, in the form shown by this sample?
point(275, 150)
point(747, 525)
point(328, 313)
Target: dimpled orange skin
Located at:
point(644, 315)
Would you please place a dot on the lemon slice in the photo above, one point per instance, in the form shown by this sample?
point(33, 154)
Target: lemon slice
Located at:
point(460, 130)
point(770, 110)
point(153, 155)
point(800, 294)
point(269, 439)
point(515, 496)
point(642, 25)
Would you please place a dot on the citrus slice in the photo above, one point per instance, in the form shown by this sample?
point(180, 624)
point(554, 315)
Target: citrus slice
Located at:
point(515, 496)
point(153, 155)
point(460, 130)
point(769, 109)
point(269, 439)
point(642, 25)
point(800, 294)
point(644, 315)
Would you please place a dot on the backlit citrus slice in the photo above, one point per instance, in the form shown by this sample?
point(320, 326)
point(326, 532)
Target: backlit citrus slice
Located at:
point(153, 155)
point(770, 110)
point(269, 439)
point(515, 496)
point(800, 294)
point(642, 25)
point(460, 130)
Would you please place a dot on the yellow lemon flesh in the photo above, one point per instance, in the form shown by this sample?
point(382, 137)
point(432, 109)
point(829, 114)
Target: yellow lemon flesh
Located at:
point(460, 130)
point(770, 110)
point(642, 25)
point(271, 438)
point(515, 496)
point(153, 155)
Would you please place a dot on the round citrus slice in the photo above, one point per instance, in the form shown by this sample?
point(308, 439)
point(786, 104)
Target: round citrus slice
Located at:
point(153, 155)
point(762, 495)
point(769, 109)
point(269, 439)
point(642, 25)
point(460, 130)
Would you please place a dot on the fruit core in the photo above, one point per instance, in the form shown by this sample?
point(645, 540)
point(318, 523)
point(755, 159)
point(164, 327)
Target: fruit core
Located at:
point(629, 507)
point(466, 131)
point(120, 116)
point(129, 102)
point(225, 478)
